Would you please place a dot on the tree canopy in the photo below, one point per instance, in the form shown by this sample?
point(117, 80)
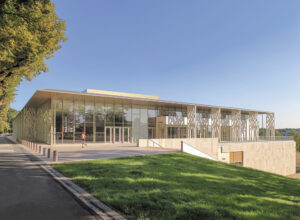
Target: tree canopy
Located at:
point(30, 32)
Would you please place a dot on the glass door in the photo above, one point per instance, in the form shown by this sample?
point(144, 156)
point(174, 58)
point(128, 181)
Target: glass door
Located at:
point(118, 134)
point(126, 133)
point(108, 134)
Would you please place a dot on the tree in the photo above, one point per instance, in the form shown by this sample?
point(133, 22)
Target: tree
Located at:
point(30, 32)
point(11, 115)
point(277, 133)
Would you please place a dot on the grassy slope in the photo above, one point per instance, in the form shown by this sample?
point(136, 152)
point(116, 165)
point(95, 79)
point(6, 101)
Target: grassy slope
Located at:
point(181, 186)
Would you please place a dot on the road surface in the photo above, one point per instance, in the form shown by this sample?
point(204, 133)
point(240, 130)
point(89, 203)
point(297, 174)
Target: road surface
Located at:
point(27, 192)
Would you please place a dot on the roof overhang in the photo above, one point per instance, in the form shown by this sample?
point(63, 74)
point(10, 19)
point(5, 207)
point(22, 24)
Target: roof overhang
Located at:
point(41, 96)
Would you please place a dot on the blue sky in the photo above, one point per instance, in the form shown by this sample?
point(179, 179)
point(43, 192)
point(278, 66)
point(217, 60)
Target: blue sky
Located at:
point(230, 53)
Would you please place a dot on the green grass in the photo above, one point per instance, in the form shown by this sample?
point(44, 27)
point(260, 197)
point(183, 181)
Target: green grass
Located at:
point(181, 186)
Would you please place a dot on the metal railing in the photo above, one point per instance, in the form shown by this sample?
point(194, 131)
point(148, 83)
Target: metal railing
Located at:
point(154, 144)
point(258, 139)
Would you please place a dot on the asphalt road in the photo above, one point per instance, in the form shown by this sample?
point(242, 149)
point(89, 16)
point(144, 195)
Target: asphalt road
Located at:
point(28, 192)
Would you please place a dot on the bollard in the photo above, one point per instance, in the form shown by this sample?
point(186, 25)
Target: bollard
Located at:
point(55, 155)
point(40, 149)
point(44, 151)
point(49, 153)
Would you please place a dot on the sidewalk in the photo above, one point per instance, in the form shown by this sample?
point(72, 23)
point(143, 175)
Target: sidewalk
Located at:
point(27, 192)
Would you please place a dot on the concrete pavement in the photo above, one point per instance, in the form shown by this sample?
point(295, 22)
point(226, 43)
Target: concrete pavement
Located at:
point(27, 192)
point(100, 151)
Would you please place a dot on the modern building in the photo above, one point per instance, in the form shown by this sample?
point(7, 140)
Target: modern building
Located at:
point(59, 117)
point(230, 135)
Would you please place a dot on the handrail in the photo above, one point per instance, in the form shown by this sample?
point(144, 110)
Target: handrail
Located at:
point(258, 139)
point(155, 143)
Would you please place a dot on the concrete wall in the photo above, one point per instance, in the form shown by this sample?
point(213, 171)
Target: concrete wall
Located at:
point(272, 156)
point(206, 145)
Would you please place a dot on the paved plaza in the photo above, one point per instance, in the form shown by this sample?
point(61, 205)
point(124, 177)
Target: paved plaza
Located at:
point(100, 151)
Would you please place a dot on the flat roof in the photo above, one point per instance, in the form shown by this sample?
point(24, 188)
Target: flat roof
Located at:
point(40, 96)
point(123, 94)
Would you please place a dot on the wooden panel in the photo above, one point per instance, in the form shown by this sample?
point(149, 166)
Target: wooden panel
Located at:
point(231, 157)
point(236, 157)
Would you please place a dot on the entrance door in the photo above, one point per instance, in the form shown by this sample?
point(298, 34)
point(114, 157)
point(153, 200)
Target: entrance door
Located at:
point(108, 134)
point(126, 133)
point(118, 134)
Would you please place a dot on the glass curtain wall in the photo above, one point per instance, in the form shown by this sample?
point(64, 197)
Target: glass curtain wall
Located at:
point(152, 113)
point(89, 120)
point(58, 117)
point(104, 121)
point(127, 111)
point(68, 121)
point(79, 113)
point(100, 121)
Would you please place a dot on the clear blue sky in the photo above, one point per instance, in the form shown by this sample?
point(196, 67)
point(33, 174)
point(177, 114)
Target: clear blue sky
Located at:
point(231, 53)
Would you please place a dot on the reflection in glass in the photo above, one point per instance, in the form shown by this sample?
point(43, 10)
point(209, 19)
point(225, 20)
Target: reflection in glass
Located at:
point(127, 116)
point(143, 122)
point(68, 120)
point(79, 119)
point(58, 121)
point(119, 115)
point(109, 115)
point(100, 120)
point(89, 121)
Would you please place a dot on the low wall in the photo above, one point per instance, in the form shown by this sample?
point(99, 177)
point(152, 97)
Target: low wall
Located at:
point(272, 156)
point(194, 151)
point(206, 145)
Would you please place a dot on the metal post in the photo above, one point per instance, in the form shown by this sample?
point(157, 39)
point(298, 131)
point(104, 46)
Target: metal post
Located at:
point(55, 155)
point(49, 153)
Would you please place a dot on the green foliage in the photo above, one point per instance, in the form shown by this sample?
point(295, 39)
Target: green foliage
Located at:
point(11, 114)
point(297, 139)
point(296, 134)
point(277, 133)
point(30, 32)
point(181, 186)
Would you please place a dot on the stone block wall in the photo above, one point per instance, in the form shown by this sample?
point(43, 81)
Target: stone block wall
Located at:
point(272, 156)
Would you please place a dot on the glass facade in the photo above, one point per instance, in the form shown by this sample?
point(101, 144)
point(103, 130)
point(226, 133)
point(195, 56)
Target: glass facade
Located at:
point(103, 121)
point(107, 121)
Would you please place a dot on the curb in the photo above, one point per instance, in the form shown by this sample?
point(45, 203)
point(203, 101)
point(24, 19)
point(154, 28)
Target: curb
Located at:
point(89, 201)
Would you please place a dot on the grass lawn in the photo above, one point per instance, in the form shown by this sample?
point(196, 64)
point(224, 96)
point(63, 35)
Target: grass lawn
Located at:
point(181, 186)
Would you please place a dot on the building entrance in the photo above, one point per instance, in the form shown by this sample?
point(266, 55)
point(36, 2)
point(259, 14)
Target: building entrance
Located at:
point(117, 134)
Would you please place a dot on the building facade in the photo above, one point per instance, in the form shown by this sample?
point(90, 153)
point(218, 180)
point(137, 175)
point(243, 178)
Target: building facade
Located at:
point(59, 117)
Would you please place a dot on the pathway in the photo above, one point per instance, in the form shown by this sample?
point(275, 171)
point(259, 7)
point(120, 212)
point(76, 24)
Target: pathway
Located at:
point(27, 192)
